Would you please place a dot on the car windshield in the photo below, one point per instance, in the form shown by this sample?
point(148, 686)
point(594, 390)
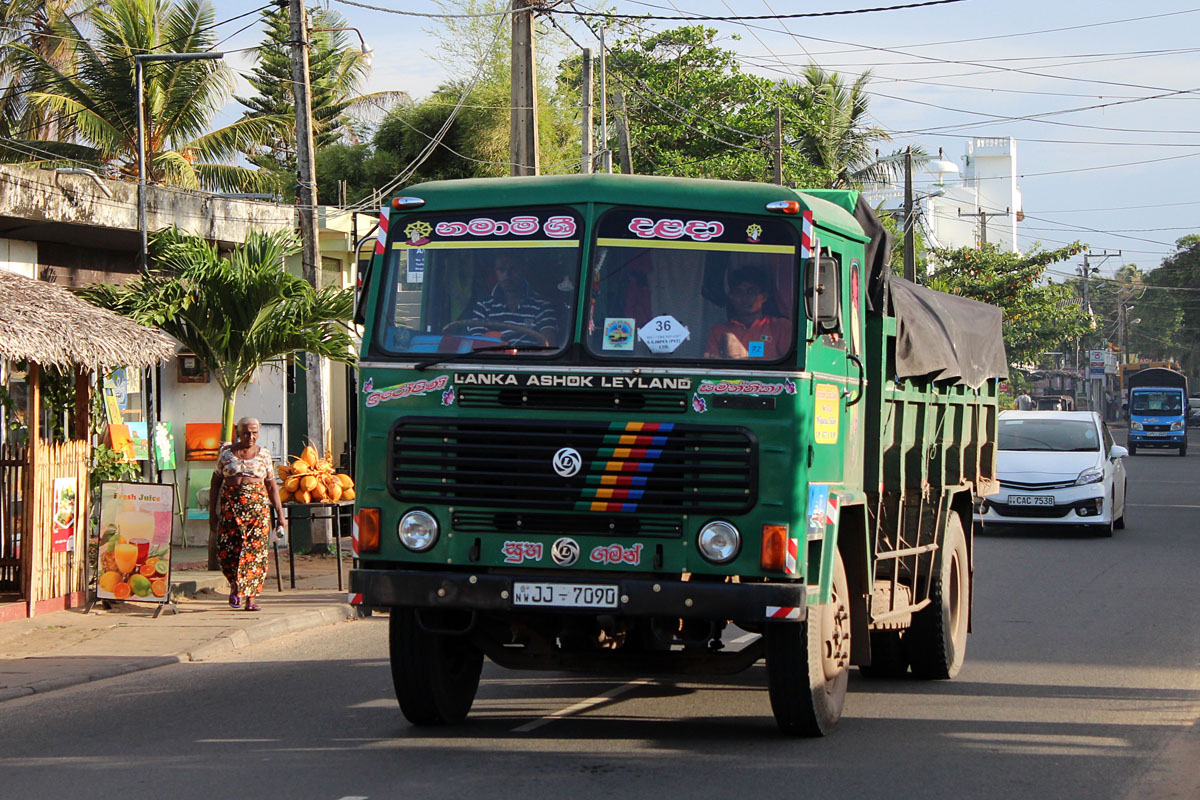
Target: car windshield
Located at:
point(1055, 435)
point(680, 285)
point(458, 283)
point(1156, 402)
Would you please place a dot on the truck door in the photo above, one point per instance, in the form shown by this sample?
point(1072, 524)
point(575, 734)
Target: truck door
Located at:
point(835, 373)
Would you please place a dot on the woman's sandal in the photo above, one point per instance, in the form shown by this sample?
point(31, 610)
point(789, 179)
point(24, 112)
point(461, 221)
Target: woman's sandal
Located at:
point(251, 605)
point(235, 599)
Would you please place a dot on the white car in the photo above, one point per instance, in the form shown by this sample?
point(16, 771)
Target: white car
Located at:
point(1057, 468)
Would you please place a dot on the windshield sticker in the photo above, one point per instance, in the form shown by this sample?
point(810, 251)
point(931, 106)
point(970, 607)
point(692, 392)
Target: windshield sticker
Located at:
point(746, 387)
point(619, 333)
point(825, 414)
point(616, 554)
point(754, 233)
point(571, 381)
point(415, 263)
point(699, 404)
point(519, 552)
point(413, 388)
point(756, 349)
point(663, 334)
point(418, 233)
point(695, 229)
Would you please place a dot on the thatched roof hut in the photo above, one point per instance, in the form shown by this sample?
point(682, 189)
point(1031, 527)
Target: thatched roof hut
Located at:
point(48, 325)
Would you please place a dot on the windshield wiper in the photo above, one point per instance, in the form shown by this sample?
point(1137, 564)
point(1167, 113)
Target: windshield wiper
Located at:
point(443, 358)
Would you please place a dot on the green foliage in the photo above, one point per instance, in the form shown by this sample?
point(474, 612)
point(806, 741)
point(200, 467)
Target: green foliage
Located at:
point(1038, 316)
point(95, 89)
point(338, 70)
point(235, 313)
point(109, 465)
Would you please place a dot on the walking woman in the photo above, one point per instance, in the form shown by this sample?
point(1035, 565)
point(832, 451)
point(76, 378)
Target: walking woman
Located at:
point(239, 514)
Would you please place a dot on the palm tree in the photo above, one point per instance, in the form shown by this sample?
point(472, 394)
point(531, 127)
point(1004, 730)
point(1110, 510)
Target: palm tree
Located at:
point(96, 92)
point(234, 313)
point(835, 133)
point(31, 23)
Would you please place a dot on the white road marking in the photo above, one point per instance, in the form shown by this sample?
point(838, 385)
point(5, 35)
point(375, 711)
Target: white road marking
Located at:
point(1159, 505)
point(354, 797)
point(583, 705)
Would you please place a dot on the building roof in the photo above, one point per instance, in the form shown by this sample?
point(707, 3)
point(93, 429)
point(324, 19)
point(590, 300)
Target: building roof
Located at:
point(48, 325)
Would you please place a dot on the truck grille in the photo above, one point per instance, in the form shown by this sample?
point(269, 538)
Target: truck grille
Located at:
point(662, 401)
point(512, 523)
point(623, 467)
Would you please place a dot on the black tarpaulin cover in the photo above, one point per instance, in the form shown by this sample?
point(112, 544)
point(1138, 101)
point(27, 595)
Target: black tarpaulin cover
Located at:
point(946, 337)
point(877, 252)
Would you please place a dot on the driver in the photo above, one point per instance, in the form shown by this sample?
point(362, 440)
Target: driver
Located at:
point(751, 331)
point(514, 302)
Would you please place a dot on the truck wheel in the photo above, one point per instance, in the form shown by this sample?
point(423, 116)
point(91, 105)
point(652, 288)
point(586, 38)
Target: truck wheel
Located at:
point(888, 659)
point(435, 675)
point(808, 664)
point(937, 641)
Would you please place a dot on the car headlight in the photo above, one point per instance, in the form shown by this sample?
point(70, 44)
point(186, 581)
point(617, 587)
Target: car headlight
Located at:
point(1177, 426)
point(719, 542)
point(418, 530)
point(1135, 425)
point(1093, 475)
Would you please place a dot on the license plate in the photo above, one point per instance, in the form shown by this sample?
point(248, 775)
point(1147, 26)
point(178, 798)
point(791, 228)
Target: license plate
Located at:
point(565, 595)
point(1030, 500)
point(1158, 433)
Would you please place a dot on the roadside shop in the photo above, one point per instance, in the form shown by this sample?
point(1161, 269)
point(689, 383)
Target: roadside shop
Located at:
point(50, 337)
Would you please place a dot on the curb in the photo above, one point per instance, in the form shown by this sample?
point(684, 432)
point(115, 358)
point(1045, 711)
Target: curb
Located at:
point(224, 643)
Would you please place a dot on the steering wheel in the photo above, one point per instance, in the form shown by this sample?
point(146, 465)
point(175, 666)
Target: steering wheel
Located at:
point(498, 325)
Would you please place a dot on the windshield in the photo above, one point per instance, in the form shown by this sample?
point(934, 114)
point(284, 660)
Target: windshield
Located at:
point(456, 283)
point(1157, 402)
point(678, 285)
point(1057, 435)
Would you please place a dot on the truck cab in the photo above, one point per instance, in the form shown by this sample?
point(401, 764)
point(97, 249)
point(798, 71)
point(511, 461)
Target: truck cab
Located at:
point(1158, 410)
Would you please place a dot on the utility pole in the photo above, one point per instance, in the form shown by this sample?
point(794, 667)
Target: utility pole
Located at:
point(910, 245)
point(778, 147)
point(622, 122)
point(316, 368)
point(605, 152)
point(524, 131)
point(587, 161)
point(983, 218)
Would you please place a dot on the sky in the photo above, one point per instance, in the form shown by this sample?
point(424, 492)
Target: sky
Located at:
point(1102, 97)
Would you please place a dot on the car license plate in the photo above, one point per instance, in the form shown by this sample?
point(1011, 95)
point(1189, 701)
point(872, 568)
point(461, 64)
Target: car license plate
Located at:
point(565, 595)
point(1158, 433)
point(1030, 500)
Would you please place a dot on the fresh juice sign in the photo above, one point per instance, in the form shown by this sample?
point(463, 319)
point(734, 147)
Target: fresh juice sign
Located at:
point(134, 560)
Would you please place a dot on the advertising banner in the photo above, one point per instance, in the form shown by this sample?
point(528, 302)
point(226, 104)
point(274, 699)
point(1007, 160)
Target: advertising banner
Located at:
point(62, 518)
point(135, 541)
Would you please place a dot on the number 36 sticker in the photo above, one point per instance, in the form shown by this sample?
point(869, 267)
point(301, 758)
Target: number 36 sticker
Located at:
point(663, 334)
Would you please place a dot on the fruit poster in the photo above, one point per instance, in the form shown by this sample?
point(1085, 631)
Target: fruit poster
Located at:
point(62, 519)
point(135, 541)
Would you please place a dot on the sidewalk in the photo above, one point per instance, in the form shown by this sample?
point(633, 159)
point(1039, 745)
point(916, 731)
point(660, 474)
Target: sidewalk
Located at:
point(67, 648)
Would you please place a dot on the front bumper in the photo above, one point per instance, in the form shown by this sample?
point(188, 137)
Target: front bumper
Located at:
point(1157, 439)
point(637, 596)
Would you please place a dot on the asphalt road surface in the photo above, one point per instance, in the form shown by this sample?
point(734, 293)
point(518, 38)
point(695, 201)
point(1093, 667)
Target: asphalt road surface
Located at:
point(1081, 681)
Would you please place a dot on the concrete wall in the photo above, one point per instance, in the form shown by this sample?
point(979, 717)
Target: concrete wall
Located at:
point(19, 257)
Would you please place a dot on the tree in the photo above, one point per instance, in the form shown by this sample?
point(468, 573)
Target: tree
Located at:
point(31, 23)
point(96, 92)
point(833, 132)
point(234, 313)
point(1038, 317)
point(338, 70)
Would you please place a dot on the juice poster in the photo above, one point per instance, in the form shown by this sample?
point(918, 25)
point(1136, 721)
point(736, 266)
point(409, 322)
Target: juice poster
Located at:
point(135, 541)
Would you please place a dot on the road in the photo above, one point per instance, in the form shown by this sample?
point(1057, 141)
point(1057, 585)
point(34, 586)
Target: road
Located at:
point(1081, 681)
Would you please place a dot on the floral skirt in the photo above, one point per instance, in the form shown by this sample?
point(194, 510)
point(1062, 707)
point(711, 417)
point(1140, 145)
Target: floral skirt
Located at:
point(242, 537)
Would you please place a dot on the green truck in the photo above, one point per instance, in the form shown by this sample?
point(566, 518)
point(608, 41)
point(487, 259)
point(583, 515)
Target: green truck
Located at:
point(615, 423)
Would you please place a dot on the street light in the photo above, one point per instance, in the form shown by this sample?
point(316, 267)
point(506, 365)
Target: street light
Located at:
point(139, 61)
point(367, 51)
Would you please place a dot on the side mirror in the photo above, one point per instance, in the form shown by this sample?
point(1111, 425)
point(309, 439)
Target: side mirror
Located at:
point(823, 282)
point(1116, 451)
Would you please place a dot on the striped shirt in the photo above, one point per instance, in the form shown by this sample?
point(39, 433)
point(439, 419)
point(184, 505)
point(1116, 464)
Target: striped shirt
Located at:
point(531, 312)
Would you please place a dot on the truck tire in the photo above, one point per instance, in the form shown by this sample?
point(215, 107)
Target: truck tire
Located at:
point(937, 640)
point(808, 664)
point(435, 675)
point(888, 659)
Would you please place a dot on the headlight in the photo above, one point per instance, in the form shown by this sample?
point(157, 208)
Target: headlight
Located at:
point(1177, 426)
point(1135, 425)
point(719, 542)
point(418, 531)
point(1093, 475)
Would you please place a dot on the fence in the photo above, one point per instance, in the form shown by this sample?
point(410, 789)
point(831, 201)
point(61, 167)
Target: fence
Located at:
point(13, 462)
point(54, 575)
